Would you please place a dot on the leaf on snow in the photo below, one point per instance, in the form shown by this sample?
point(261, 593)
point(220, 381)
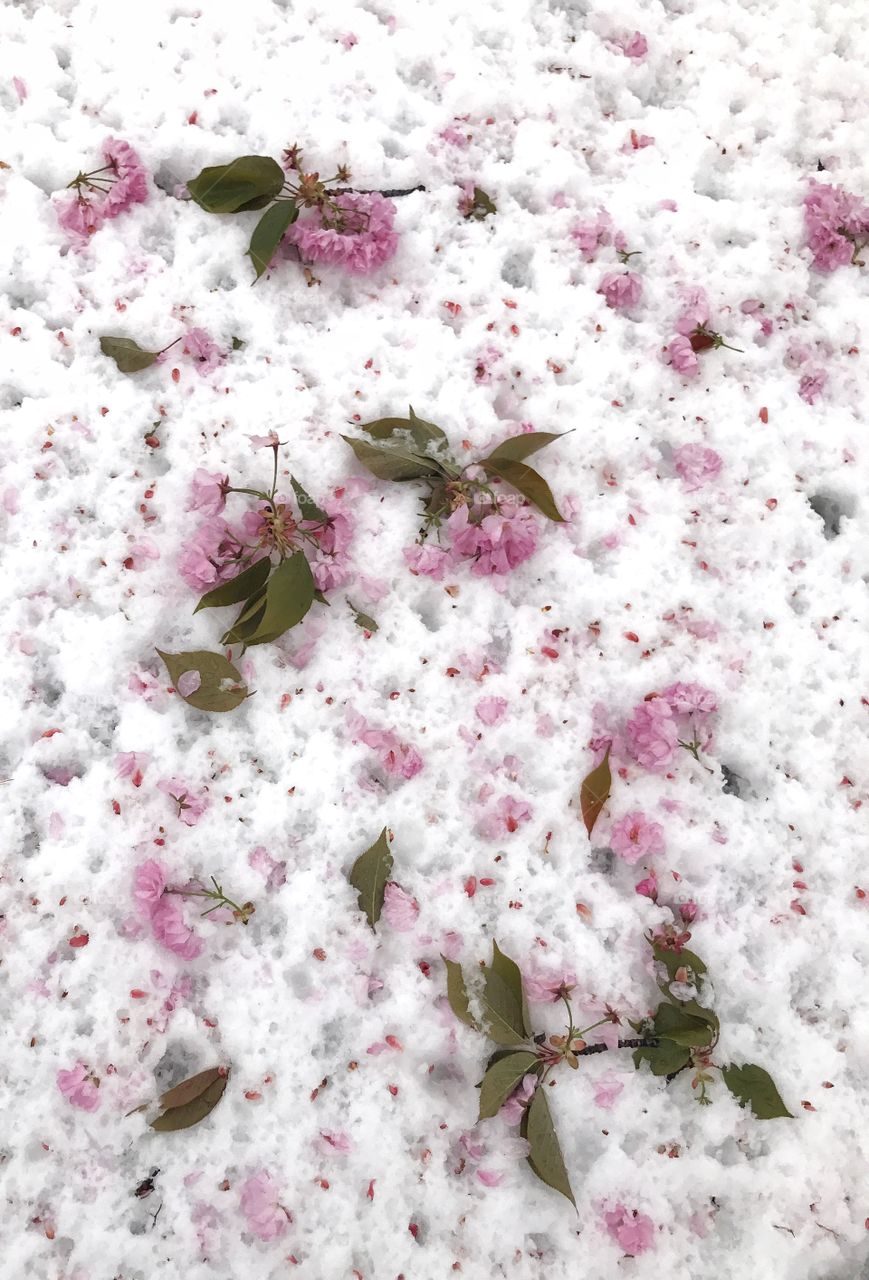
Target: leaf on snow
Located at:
point(595, 791)
point(545, 1157)
point(526, 481)
point(501, 1078)
point(268, 233)
point(249, 182)
point(457, 993)
point(221, 687)
point(289, 596)
point(369, 875)
point(238, 588)
point(191, 1101)
point(127, 354)
point(752, 1086)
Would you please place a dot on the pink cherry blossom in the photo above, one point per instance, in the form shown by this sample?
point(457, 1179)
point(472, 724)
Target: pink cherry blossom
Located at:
point(590, 236)
point(621, 289)
point(430, 561)
point(489, 1177)
point(632, 1231)
point(681, 356)
point(275, 872)
point(79, 217)
point(190, 803)
point(266, 1217)
point(207, 492)
point(270, 441)
point(634, 46)
point(330, 562)
point(648, 888)
point(140, 553)
point(187, 683)
point(834, 221)
point(78, 1088)
point(696, 465)
point(690, 699)
point(149, 881)
point(131, 182)
point(499, 543)
point(132, 765)
point(812, 384)
point(337, 1141)
point(549, 988)
point(364, 241)
point(652, 734)
point(606, 1089)
point(211, 556)
point(634, 839)
point(491, 710)
point(398, 759)
point(505, 818)
point(514, 1108)
point(399, 907)
point(172, 931)
point(205, 352)
point(695, 313)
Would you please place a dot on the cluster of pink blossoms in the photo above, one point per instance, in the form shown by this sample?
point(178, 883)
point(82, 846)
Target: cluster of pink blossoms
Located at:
point(493, 540)
point(266, 1217)
point(104, 193)
point(163, 912)
point(354, 231)
point(837, 225)
point(217, 552)
point(659, 724)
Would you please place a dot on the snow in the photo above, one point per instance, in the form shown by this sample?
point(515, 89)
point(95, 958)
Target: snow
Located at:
point(753, 585)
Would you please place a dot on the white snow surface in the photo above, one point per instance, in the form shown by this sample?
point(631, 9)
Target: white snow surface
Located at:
point(742, 101)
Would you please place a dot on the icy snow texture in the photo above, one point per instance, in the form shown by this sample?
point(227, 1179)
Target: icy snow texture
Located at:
point(734, 586)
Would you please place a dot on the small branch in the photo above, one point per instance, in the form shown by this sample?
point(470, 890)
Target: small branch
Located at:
point(391, 193)
point(635, 1042)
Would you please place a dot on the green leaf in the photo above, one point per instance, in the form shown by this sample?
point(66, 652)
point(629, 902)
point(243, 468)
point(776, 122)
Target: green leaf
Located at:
point(502, 1012)
point(247, 621)
point(663, 1059)
point(183, 1115)
point(482, 206)
point(289, 596)
point(518, 448)
point(457, 994)
point(189, 1089)
point(673, 1023)
point(268, 233)
point(250, 182)
point(238, 344)
point(369, 875)
point(424, 434)
point(221, 687)
point(545, 1157)
point(673, 960)
point(392, 462)
point(308, 508)
point(363, 620)
point(238, 588)
point(501, 1079)
point(595, 791)
point(127, 354)
point(753, 1087)
point(528, 482)
point(508, 971)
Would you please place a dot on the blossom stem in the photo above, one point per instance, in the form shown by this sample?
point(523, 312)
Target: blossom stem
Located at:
point(634, 1042)
point(170, 345)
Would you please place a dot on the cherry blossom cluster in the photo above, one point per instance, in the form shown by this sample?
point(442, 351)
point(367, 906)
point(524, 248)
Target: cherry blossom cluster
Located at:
point(837, 226)
point(491, 534)
point(104, 193)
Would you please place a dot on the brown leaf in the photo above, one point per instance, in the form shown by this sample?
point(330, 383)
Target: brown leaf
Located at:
point(595, 792)
point(189, 1089)
point(195, 1108)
